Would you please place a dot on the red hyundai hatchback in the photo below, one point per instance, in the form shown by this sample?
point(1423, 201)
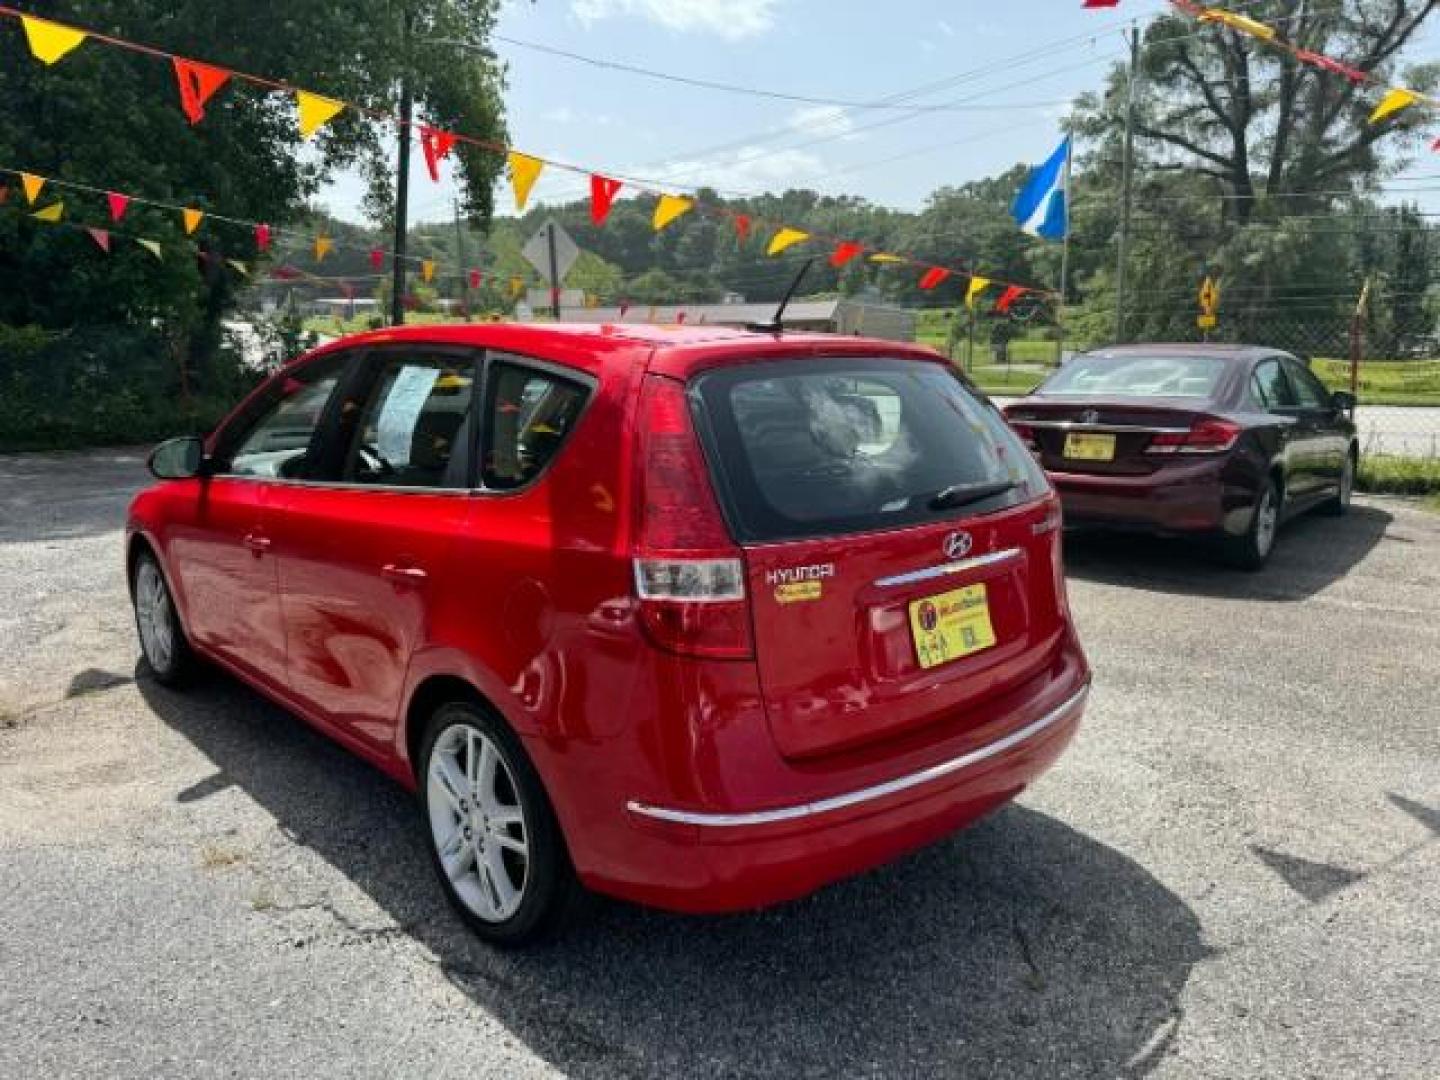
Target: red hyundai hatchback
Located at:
point(699, 618)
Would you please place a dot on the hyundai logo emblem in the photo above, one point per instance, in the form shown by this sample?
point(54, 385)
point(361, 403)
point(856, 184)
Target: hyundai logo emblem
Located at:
point(1089, 416)
point(958, 545)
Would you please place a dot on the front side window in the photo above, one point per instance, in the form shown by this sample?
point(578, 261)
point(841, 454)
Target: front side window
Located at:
point(528, 414)
point(1137, 376)
point(277, 442)
point(415, 427)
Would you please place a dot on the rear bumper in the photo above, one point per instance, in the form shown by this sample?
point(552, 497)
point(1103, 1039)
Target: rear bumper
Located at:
point(712, 862)
point(1188, 498)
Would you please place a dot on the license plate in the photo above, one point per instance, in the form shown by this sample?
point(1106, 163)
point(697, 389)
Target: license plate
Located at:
point(1090, 447)
point(951, 625)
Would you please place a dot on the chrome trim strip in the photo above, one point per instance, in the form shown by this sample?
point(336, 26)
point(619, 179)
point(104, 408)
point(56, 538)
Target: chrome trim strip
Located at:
point(1075, 425)
point(864, 795)
point(930, 573)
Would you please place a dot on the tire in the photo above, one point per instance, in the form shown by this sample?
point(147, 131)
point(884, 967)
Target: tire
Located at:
point(1339, 506)
point(1251, 550)
point(163, 644)
point(497, 851)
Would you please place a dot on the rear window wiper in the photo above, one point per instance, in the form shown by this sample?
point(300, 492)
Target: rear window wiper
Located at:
point(965, 494)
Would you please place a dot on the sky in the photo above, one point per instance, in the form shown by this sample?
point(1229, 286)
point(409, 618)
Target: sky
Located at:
point(1004, 74)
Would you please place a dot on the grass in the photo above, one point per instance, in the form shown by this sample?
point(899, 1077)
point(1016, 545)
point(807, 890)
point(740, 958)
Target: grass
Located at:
point(1383, 474)
point(1385, 382)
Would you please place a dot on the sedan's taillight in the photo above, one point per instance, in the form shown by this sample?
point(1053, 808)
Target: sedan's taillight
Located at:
point(1207, 435)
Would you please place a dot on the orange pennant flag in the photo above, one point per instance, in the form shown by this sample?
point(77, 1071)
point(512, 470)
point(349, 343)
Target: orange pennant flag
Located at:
point(517, 285)
point(524, 171)
point(785, 238)
point(32, 185)
point(323, 244)
point(315, 111)
point(52, 213)
point(49, 41)
point(669, 208)
point(198, 83)
point(1243, 23)
point(192, 219)
point(883, 257)
point(977, 286)
point(427, 270)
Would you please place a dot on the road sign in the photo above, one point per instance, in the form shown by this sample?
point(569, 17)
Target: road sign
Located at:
point(1209, 297)
point(1206, 322)
point(537, 252)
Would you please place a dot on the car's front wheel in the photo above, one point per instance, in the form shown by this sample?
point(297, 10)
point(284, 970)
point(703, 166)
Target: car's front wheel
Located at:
point(1251, 550)
point(162, 638)
point(494, 841)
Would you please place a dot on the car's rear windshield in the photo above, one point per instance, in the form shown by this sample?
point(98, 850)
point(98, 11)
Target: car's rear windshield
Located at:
point(1137, 376)
point(819, 447)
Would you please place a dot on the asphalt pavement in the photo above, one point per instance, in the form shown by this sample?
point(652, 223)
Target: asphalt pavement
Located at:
point(1235, 871)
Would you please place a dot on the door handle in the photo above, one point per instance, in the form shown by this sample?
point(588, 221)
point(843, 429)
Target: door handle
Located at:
point(257, 544)
point(412, 575)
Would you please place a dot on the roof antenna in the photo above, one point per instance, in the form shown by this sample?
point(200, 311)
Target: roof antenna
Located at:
point(774, 326)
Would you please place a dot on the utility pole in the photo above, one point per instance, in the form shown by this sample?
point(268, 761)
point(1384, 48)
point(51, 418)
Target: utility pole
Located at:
point(1126, 185)
point(464, 272)
point(554, 270)
point(402, 182)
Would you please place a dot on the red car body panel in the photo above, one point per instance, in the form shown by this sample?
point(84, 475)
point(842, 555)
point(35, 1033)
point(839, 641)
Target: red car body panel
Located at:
point(529, 599)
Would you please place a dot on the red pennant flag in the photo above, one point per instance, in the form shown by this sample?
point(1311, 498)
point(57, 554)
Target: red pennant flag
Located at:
point(742, 227)
point(377, 258)
point(286, 273)
point(679, 317)
point(602, 194)
point(198, 83)
point(624, 307)
point(437, 145)
point(1008, 297)
point(844, 253)
point(1100, 3)
point(101, 238)
point(262, 237)
point(475, 277)
point(1433, 146)
point(118, 204)
point(1355, 75)
point(934, 276)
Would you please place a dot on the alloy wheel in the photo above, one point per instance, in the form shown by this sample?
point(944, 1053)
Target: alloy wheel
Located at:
point(154, 616)
point(1267, 518)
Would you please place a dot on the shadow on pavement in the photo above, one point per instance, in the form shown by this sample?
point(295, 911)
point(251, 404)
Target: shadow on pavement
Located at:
point(1018, 948)
point(1311, 553)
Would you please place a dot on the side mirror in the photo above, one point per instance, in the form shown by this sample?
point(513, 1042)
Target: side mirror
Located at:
point(180, 458)
point(1343, 401)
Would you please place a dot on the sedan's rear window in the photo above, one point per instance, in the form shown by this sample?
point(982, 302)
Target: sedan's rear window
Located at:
point(1137, 376)
point(805, 448)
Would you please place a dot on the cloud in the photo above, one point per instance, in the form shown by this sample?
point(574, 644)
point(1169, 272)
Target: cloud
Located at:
point(822, 120)
point(946, 28)
point(749, 169)
point(730, 19)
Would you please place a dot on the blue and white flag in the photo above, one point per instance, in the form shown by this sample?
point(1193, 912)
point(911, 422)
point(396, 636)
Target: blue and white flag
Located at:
point(1040, 207)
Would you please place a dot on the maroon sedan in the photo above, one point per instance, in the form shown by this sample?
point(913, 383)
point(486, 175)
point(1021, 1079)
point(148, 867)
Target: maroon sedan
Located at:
point(1226, 441)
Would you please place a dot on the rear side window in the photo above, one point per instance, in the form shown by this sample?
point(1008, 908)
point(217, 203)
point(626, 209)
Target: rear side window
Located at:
point(1270, 386)
point(528, 414)
point(1138, 376)
point(813, 448)
point(1309, 390)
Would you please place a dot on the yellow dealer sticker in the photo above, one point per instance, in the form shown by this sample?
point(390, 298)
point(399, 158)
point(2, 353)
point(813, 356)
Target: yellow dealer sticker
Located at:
point(793, 591)
point(951, 625)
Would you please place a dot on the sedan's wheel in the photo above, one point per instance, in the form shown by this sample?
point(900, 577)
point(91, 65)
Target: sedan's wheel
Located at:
point(1251, 550)
point(1340, 504)
point(493, 837)
point(162, 640)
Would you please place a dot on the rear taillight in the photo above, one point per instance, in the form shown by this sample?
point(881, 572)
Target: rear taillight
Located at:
point(689, 575)
point(1207, 435)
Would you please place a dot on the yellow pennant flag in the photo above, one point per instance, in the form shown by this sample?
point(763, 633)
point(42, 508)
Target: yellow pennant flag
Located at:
point(882, 257)
point(50, 41)
point(785, 238)
point(32, 185)
point(239, 267)
point(315, 111)
point(52, 213)
point(669, 208)
point(427, 270)
point(1393, 101)
point(524, 171)
point(517, 285)
point(192, 219)
point(977, 286)
point(151, 246)
point(1242, 23)
point(323, 244)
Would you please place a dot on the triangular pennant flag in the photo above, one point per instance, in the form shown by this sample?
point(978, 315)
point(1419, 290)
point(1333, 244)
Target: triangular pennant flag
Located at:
point(843, 253)
point(427, 270)
point(52, 213)
point(377, 258)
point(1243, 23)
point(885, 257)
point(1328, 63)
point(192, 219)
point(315, 111)
point(742, 227)
point(50, 41)
point(238, 266)
point(524, 171)
point(262, 238)
point(198, 83)
point(785, 238)
point(32, 185)
point(118, 204)
point(602, 194)
point(517, 285)
point(475, 277)
point(624, 307)
point(977, 286)
point(934, 276)
point(436, 145)
point(1008, 297)
point(679, 318)
point(151, 246)
point(101, 238)
point(1393, 101)
point(323, 244)
point(669, 208)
